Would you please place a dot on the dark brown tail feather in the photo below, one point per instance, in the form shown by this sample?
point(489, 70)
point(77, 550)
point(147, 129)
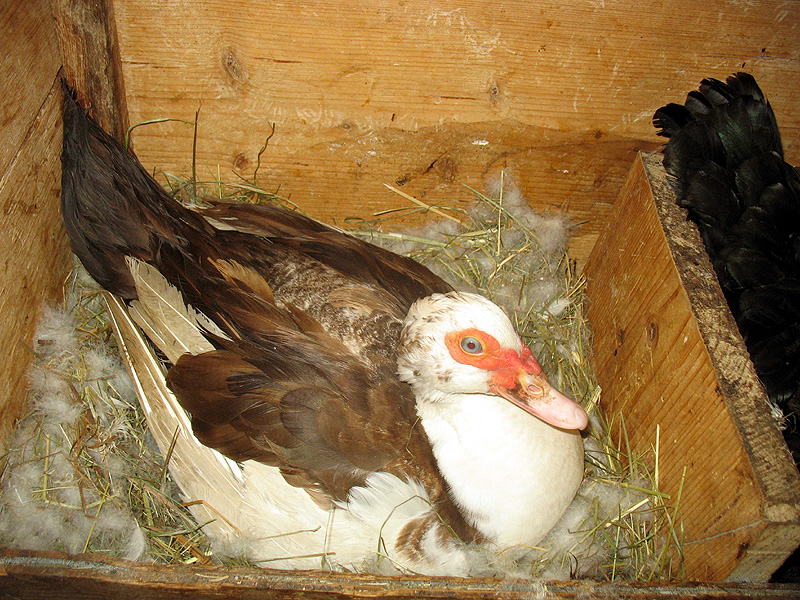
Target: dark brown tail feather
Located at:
point(110, 205)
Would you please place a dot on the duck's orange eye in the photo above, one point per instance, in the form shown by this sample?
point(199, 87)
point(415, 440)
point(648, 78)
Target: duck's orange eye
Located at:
point(471, 345)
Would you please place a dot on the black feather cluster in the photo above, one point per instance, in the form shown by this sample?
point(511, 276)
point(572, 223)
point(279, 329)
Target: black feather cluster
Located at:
point(725, 154)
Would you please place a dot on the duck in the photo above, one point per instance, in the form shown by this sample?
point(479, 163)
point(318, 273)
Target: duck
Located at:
point(725, 158)
point(328, 403)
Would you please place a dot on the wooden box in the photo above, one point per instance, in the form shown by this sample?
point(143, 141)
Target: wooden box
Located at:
point(430, 96)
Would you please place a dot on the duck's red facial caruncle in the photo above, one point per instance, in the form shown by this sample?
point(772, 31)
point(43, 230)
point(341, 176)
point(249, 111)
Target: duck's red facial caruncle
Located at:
point(517, 377)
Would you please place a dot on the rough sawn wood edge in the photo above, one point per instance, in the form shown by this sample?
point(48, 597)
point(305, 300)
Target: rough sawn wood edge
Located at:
point(33, 575)
point(743, 392)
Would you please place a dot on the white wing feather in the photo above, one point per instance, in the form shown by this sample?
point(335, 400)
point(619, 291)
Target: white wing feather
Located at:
point(173, 326)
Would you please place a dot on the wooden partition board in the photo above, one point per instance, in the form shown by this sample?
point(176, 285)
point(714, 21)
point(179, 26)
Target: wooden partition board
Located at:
point(36, 575)
point(674, 368)
point(34, 254)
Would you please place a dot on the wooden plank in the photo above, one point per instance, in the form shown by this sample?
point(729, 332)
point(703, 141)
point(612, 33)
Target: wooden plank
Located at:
point(34, 575)
point(34, 253)
point(87, 36)
point(30, 61)
point(347, 88)
point(745, 399)
point(557, 171)
point(673, 361)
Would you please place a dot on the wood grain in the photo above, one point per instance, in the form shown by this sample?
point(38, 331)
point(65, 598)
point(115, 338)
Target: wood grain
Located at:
point(87, 36)
point(34, 253)
point(363, 96)
point(30, 62)
point(35, 575)
point(668, 356)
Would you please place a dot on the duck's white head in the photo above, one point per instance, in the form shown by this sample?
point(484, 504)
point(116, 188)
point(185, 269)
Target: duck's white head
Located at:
point(460, 343)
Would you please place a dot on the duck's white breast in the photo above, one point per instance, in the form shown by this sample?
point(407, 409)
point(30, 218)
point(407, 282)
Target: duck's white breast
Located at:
point(513, 474)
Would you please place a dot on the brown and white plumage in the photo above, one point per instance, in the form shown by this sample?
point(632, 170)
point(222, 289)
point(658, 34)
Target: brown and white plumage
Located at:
point(365, 408)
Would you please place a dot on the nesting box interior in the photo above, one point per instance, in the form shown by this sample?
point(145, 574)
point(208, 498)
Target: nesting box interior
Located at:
point(430, 96)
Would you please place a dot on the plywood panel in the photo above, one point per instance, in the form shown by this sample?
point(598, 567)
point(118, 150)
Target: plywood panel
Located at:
point(347, 85)
point(669, 357)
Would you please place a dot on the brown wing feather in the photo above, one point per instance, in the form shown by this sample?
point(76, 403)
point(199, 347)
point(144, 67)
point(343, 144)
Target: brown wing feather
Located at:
point(402, 277)
point(324, 438)
point(336, 428)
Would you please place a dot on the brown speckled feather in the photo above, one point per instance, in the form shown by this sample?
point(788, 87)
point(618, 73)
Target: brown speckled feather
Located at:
point(305, 379)
point(398, 279)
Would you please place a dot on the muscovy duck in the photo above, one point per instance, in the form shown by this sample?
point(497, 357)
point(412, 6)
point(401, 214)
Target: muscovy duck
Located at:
point(349, 405)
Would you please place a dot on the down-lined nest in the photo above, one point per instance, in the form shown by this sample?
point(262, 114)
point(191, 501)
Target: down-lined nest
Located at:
point(83, 475)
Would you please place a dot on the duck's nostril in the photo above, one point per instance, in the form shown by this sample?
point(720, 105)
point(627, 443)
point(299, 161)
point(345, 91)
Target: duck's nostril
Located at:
point(535, 391)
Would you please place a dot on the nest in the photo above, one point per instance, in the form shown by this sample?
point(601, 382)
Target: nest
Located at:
point(83, 474)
